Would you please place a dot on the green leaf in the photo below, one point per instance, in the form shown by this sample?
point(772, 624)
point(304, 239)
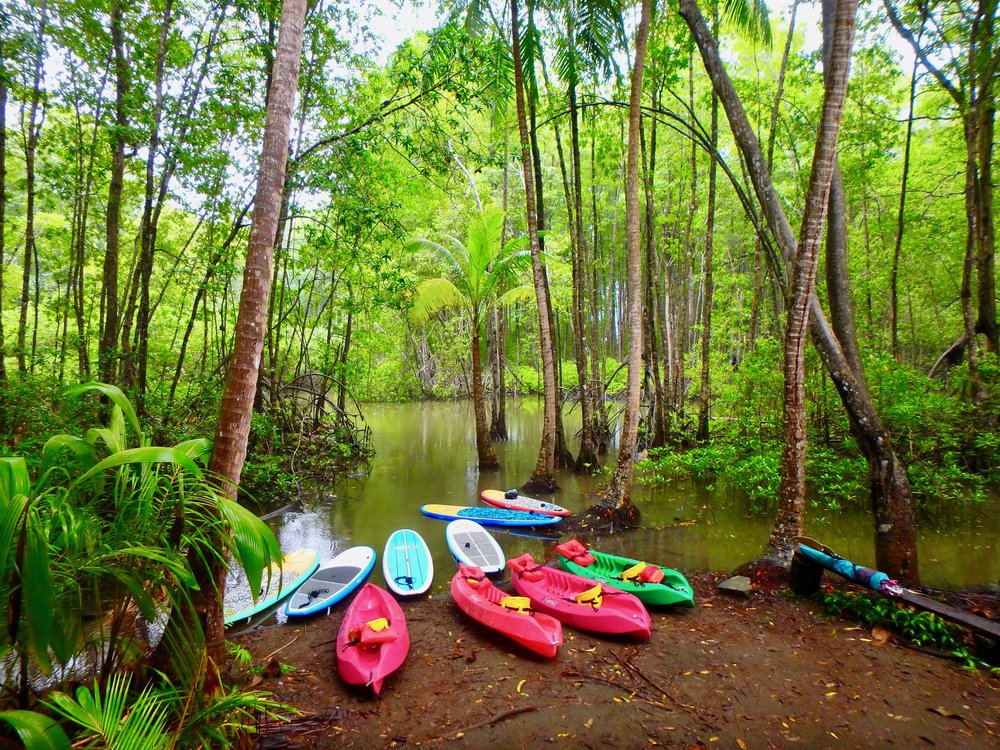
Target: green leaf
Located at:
point(145, 455)
point(36, 732)
point(254, 544)
point(117, 397)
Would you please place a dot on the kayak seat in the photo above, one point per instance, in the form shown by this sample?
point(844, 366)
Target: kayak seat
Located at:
point(520, 604)
point(642, 573)
point(576, 552)
point(592, 597)
point(374, 633)
point(526, 566)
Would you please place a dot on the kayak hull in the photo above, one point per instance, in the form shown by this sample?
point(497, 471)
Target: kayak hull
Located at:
point(477, 597)
point(361, 663)
point(673, 590)
point(556, 592)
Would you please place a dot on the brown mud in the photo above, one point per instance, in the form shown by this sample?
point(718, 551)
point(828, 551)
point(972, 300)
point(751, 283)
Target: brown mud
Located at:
point(770, 671)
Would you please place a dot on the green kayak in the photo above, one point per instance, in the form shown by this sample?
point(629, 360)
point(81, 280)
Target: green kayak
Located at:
point(653, 585)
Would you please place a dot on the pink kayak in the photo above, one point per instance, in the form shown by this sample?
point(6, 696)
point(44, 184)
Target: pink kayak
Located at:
point(579, 602)
point(476, 595)
point(373, 640)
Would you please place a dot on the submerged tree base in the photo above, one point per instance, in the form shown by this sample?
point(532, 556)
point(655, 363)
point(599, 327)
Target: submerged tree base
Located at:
point(602, 516)
point(540, 485)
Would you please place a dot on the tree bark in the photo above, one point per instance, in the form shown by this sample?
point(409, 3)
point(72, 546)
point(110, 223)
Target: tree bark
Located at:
point(895, 538)
point(3, 215)
point(542, 475)
point(617, 503)
point(229, 451)
point(901, 223)
point(484, 443)
point(791, 498)
point(108, 356)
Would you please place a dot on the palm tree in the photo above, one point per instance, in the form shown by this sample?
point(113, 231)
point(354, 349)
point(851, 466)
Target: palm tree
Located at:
point(479, 274)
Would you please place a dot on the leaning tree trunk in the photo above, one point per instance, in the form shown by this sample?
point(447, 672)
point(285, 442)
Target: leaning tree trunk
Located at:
point(542, 475)
point(895, 538)
point(229, 451)
point(616, 504)
point(705, 403)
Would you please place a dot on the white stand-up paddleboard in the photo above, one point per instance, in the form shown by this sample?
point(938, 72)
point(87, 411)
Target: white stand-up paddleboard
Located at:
point(473, 545)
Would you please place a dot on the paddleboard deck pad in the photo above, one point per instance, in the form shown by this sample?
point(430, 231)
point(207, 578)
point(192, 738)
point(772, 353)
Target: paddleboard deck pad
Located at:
point(407, 564)
point(332, 582)
point(488, 516)
point(471, 544)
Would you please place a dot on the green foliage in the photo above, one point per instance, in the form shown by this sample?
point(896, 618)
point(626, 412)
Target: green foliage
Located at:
point(35, 731)
point(922, 628)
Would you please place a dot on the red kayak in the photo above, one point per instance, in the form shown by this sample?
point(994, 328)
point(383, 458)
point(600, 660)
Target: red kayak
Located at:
point(579, 602)
point(512, 500)
point(476, 595)
point(373, 640)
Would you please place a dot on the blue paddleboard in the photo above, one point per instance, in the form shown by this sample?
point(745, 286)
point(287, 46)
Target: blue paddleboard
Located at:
point(488, 516)
point(407, 564)
point(332, 582)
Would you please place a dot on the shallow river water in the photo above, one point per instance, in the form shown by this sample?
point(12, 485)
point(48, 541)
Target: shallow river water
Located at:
point(425, 453)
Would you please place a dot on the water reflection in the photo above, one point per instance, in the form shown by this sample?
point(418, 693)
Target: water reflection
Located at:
point(426, 454)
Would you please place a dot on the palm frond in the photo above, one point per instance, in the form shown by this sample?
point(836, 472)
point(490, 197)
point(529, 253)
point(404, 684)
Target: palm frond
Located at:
point(144, 455)
point(750, 18)
point(253, 543)
point(117, 397)
point(36, 731)
point(433, 295)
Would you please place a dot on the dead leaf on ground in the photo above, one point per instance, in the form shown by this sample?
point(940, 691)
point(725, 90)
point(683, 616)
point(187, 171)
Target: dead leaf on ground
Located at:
point(881, 635)
point(945, 712)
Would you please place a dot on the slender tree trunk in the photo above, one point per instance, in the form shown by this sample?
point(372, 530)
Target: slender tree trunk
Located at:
point(229, 451)
point(895, 539)
point(31, 130)
point(968, 265)
point(758, 267)
point(617, 503)
point(484, 444)
point(542, 475)
point(108, 355)
point(791, 501)
point(705, 399)
point(587, 461)
point(901, 223)
point(3, 218)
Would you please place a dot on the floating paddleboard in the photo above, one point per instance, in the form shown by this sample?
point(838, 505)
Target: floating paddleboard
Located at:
point(407, 564)
point(500, 499)
point(473, 545)
point(296, 568)
point(487, 516)
point(332, 582)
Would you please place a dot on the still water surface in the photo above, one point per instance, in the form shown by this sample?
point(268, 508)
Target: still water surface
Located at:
point(425, 453)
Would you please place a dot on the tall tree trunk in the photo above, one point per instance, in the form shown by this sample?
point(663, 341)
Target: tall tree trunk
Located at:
point(758, 256)
point(587, 461)
point(108, 349)
point(901, 222)
point(3, 217)
point(601, 431)
point(895, 539)
point(705, 400)
point(617, 501)
point(32, 127)
point(791, 499)
point(542, 475)
point(229, 451)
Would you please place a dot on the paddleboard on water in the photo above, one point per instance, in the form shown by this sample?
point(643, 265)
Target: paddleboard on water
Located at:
point(333, 581)
point(474, 546)
point(407, 564)
point(487, 516)
point(296, 568)
point(514, 501)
